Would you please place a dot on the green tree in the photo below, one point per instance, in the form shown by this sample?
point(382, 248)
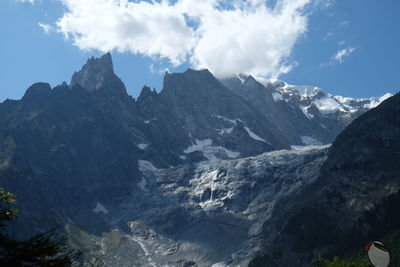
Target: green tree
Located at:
point(41, 250)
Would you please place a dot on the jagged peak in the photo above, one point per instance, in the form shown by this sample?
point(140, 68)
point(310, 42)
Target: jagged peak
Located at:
point(147, 93)
point(105, 61)
point(98, 73)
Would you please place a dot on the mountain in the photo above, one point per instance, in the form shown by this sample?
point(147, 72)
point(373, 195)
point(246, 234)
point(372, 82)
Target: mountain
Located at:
point(63, 150)
point(305, 114)
point(196, 118)
point(355, 200)
point(99, 73)
point(67, 150)
point(177, 174)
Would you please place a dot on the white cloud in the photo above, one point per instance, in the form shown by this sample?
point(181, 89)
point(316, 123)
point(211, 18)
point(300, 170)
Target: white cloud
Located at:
point(339, 56)
point(157, 70)
point(45, 27)
point(152, 29)
point(240, 36)
point(343, 53)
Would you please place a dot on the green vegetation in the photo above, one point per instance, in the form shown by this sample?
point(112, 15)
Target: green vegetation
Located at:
point(40, 250)
point(336, 262)
point(392, 242)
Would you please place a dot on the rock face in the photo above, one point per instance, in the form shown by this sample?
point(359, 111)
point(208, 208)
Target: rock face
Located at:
point(62, 151)
point(355, 199)
point(196, 117)
point(98, 73)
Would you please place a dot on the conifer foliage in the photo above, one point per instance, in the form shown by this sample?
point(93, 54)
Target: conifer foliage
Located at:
point(41, 250)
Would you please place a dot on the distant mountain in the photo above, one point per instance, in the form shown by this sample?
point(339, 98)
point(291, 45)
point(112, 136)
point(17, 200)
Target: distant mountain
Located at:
point(305, 114)
point(356, 198)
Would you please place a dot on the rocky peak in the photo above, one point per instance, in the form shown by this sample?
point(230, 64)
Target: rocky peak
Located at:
point(195, 77)
point(249, 80)
point(192, 85)
point(146, 93)
point(37, 90)
point(98, 73)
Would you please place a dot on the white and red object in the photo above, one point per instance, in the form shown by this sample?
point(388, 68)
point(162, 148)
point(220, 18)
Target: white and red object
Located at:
point(378, 254)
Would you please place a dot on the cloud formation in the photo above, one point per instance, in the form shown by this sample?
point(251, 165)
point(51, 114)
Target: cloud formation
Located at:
point(45, 27)
point(227, 37)
point(343, 53)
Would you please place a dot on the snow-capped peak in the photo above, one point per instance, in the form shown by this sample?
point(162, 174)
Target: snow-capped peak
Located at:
point(304, 91)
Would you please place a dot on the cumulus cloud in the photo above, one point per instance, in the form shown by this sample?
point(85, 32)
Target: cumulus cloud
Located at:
point(227, 37)
point(343, 53)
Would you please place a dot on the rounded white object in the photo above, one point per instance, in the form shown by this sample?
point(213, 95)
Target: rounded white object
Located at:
point(378, 254)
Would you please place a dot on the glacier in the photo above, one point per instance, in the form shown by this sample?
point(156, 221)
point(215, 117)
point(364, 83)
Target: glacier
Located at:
point(210, 212)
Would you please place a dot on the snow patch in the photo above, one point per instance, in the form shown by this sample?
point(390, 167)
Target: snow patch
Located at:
point(241, 79)
point(309, 141)
point(306, 113)
point(142, 185)
point(254, 136)
point(100, 208)
point(328, 105)
point(305, 91)
point(305, 149)
point(143, 146)
point(277, 96)
point(234, 122)
point(231, 154)
point(145, 166)
point(225, 131)
point(345, 100)
point(377, 101)
point(199, 146)
point(148, 121)
point(209, 151)
point(367, 103)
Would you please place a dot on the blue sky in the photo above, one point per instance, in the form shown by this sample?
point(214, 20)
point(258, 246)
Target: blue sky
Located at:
point(346, 47)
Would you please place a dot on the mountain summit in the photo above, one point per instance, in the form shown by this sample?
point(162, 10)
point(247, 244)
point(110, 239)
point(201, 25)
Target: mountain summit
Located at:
point(98, 73)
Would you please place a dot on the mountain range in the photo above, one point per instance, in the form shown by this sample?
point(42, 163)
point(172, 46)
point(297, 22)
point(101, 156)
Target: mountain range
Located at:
point(204, 172)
